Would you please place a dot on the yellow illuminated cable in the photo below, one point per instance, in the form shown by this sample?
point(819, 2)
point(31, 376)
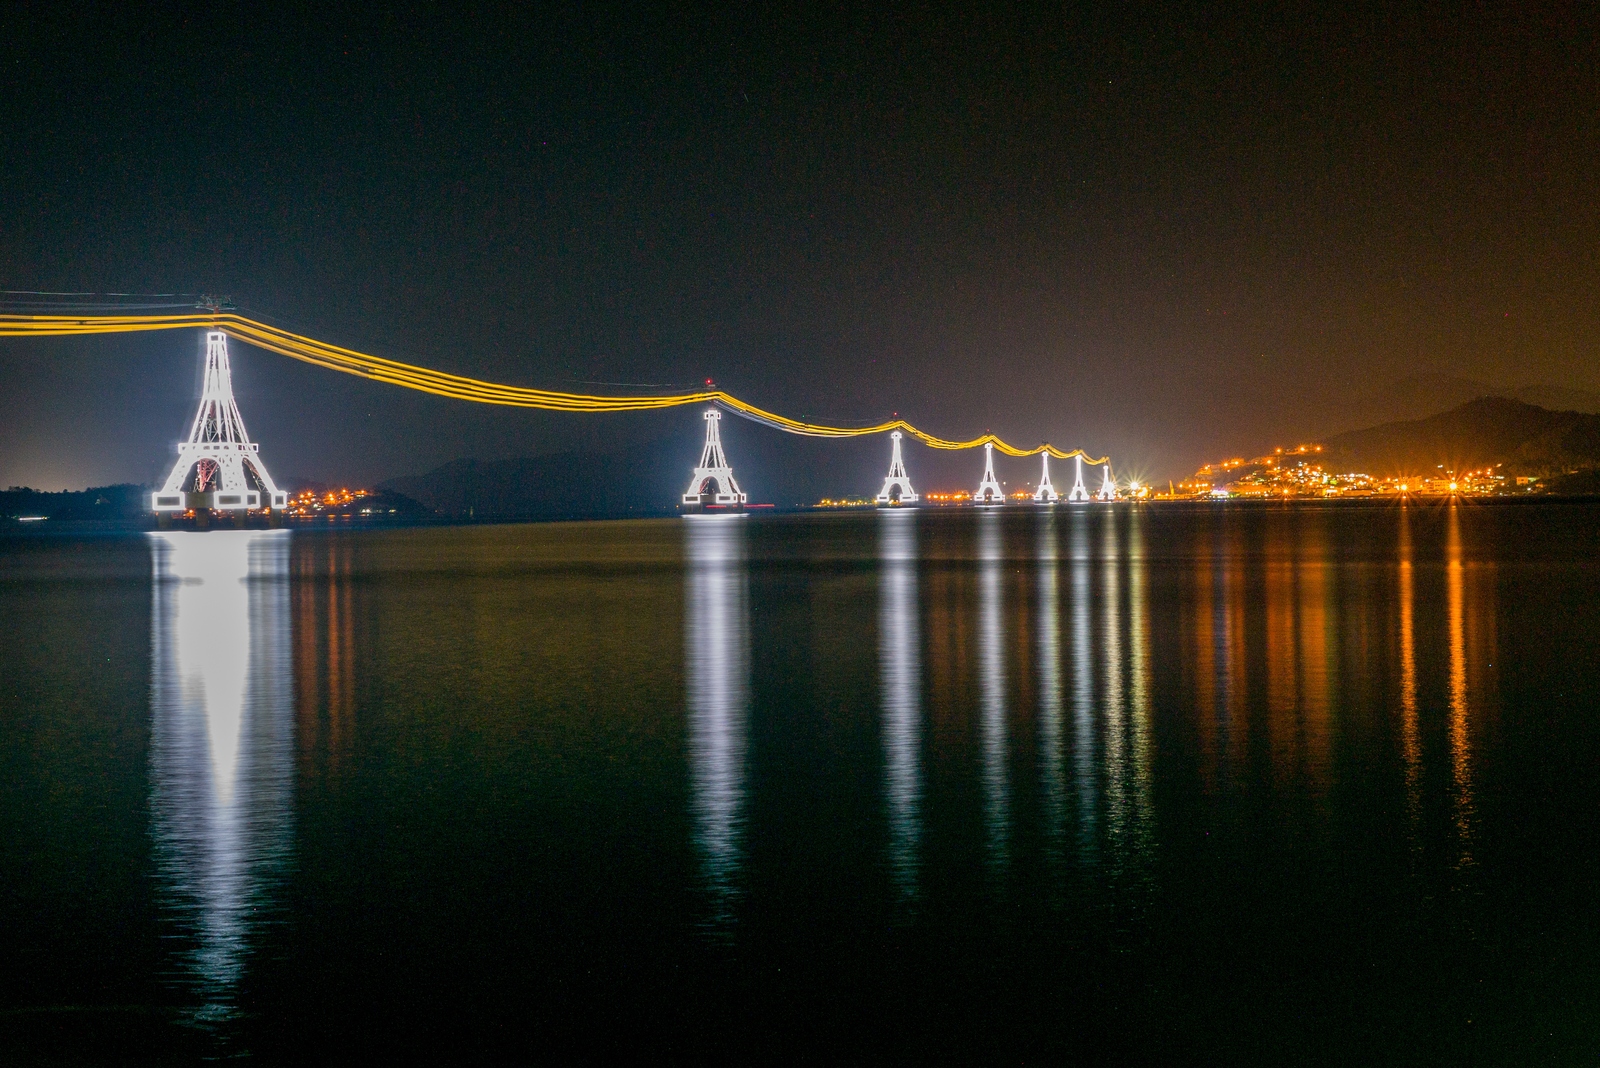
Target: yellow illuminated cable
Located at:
point(443, 384)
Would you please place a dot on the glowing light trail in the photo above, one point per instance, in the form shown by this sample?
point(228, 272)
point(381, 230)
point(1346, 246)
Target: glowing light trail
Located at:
point(440, 383)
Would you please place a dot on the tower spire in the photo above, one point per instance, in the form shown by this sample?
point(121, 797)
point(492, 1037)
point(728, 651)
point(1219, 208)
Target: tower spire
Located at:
point(989, 491)
point(1079, 492)
point(897, 487)
point(218, 450)
point(1046, 493)
point(712, 482)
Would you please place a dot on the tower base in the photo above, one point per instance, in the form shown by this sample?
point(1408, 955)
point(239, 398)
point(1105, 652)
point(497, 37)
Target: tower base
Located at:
point(707, 505)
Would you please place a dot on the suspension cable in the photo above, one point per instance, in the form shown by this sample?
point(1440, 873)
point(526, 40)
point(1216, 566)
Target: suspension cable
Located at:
point(460, 387)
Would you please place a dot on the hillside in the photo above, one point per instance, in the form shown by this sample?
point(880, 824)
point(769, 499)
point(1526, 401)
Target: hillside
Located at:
point(555, 486)
point(1422, 395)
point(123, 503)
point(1525, 438)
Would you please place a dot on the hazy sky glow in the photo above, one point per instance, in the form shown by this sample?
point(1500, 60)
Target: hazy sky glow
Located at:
point(1165, 234)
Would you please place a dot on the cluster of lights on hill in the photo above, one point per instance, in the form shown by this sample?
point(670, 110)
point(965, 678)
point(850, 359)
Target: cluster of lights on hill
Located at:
point(339, 503)
point(1299, 472)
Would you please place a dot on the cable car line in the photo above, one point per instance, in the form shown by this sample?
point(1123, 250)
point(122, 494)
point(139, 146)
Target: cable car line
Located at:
point(219, 316)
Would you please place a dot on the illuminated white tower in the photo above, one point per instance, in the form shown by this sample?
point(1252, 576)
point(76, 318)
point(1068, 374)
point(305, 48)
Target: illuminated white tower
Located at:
point(218, 450)
point(897, 487)
point(1046, 493)
point(1079, 493)
point(989, 486)
point(713, 476)
point(1108, 488)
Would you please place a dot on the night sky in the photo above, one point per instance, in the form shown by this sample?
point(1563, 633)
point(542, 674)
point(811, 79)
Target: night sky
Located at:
point(1163, 233)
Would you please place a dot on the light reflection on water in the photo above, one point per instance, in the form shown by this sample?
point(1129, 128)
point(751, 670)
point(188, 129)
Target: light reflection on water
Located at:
point(1119, 806)
point(717, 669)
point(1470, 586)
point(1052, 775)
point(222, 692)
point(221, 746)
point(900, 682)
point(1137, 793)
point(992, 690)
point(1318, 607)
point(1410, 728)
point(1084, 766)
point(1193, 689)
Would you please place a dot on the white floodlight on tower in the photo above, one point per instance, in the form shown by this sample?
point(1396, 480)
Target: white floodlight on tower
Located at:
point(218, 450)
point(1046, 493)
point(989, 492)
point(714, 478)
point(897, 487)
point(1108, 488)
point(1079, 491)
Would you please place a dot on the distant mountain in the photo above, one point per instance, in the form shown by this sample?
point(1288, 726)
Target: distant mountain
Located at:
point(1560, 399)
point(382, 502)
point(1415, 397)
point(123, 503)
point(1527, 439)
point(570, 485)
point(1420, 396)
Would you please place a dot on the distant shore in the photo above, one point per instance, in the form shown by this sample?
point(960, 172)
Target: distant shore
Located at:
point(45, 526)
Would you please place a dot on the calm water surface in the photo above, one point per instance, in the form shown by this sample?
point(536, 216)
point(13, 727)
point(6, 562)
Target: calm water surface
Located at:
point(1272, 784)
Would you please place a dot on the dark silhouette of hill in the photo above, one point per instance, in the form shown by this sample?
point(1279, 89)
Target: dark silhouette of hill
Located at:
point(381, 501)
point(123, 503)
point(127, 505)
point(567, 485)
point(1420, 396)
point(649, 478)
point(1525, 438)
point(1559, 399)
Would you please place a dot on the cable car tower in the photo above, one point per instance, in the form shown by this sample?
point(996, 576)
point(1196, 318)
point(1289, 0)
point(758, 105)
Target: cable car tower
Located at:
point(1108, 488)
point(1046, 493)
point(1079, 492)
point(712, 484)
point(218, 450)
point(897, 487)
point(989, 492)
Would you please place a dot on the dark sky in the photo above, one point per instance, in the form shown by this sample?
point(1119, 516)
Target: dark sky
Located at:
point(1167, 233)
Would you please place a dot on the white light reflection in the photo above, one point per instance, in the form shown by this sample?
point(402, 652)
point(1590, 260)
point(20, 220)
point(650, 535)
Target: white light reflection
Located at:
point(992, 689)
point(1051, 772)
point(221, 743)
point(1127, 705)
point(1119, 803)
point(717, 656)
point(900, 673)
point(1083, 688)
point(1139, 686)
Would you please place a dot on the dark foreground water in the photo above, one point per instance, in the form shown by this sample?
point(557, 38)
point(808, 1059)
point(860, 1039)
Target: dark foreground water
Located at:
point(1229, 784)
